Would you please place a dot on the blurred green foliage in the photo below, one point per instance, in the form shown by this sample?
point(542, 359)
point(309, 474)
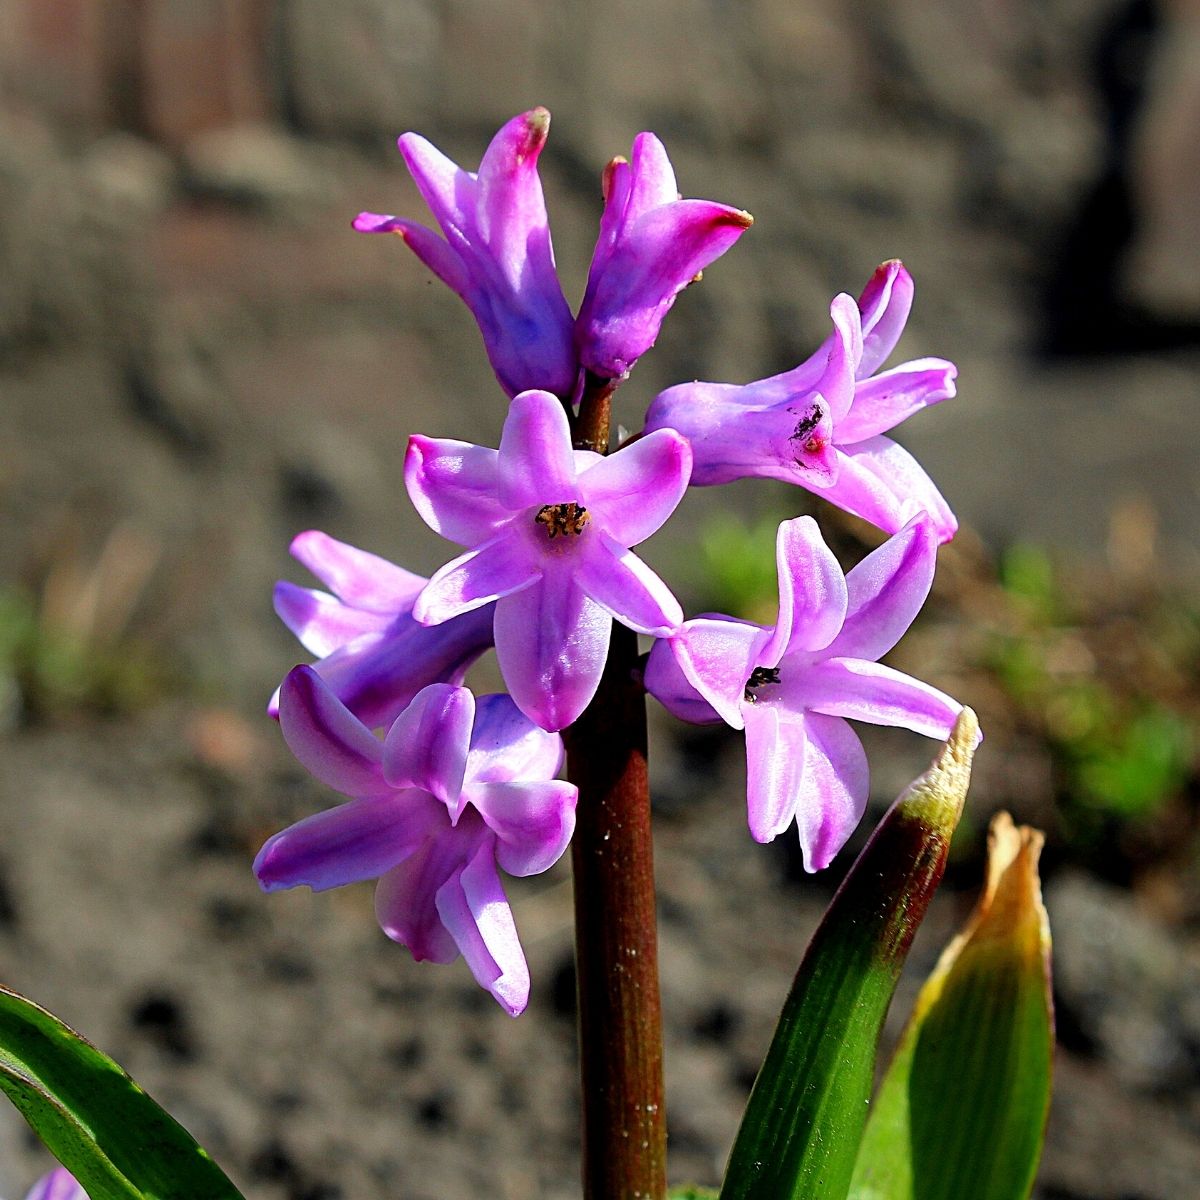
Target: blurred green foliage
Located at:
point(1088, 682)
point(51, 672)
point(736, 566)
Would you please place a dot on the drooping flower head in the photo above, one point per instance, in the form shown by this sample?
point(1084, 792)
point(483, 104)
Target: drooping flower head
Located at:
point(456, 789)
point(549, 529)
point(819, 425)
point(497, 254)
point(652, 244)
point(59, 1184)
point(792, 687)
point(373, 655)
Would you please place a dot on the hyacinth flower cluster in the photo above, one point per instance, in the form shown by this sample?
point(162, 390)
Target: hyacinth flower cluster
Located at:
point(443, 791)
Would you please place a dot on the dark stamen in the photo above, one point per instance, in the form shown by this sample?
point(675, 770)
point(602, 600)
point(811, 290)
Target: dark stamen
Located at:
point(808, 423)
point(760, 677)
point(562, 518)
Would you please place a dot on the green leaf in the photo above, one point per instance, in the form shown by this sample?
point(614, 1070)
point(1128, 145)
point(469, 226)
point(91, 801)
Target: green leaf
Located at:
point(93, 1118)
point(962, 1109)
point(800, 1133)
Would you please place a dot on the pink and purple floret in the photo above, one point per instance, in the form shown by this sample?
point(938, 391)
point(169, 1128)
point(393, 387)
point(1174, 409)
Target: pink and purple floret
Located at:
point(445, 791)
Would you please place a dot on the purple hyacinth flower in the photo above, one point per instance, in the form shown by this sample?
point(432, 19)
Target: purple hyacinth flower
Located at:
point(456, 789)
point(374, 656)
point(820, 424)
point(549, 529)
point(59, 1184)
point(497, 253)
point(791, 687)
point(651, 245)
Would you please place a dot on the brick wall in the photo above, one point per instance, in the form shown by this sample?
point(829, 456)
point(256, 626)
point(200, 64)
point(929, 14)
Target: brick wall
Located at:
point(164, 68)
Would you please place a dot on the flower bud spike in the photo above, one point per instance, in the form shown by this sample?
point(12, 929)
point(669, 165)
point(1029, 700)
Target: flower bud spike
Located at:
point(495, 252)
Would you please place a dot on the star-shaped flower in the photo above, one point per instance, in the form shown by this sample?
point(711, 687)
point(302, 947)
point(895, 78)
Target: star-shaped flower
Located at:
point(550, 530)
point(651, 245)
point(374, 656)
point(456, 789)
point(497, 253)
point(820, 424)
point(791, 687)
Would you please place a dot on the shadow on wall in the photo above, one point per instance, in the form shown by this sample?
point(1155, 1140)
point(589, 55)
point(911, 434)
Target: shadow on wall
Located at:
point(1116, 281)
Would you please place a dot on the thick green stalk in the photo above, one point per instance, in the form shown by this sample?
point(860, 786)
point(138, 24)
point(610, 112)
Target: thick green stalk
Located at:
point(616, 938)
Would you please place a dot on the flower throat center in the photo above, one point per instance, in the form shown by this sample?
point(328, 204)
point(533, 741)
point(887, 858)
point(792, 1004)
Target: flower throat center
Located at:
point(562, 519)
point(760, 677)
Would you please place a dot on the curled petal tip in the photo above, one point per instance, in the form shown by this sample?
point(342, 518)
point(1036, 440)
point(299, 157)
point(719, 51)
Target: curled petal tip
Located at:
point(537, 125)
point(739, 217)
point(302, 540)
point(887, 271)
point(610, 169)
point(367, 222)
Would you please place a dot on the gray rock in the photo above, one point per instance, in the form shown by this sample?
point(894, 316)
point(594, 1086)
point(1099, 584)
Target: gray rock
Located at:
point(257, 167)
point(359, 68)
point(1125, 982)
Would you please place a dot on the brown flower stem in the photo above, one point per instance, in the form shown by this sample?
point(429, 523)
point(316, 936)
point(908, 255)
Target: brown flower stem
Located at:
point(591, 430)
point(616, 937)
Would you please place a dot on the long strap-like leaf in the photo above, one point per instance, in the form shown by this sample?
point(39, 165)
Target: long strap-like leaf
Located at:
point(962, 1108)
point(116, 1141)
point(800, 1133)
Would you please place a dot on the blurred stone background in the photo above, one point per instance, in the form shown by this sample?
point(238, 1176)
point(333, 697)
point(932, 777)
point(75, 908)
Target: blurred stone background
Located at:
point(198, 359)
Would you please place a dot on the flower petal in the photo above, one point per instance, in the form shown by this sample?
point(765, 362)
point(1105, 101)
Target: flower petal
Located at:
point(59, 1184)
point(507, 745)
point(360, 579)
point(327, 738)
point(717, 656)
point(666, 682)
point(885, 304)
point(321, 621)
point(886, 399)
point(886, 591)
point(448, 190)
point(881, 482)
point(623, 585)
point(812, 592)
point(536, 464)
point(511, 212)
point(435, 253)
point(657, 255)
point(551, 643)
point(426, 746)
point(775, 761)
point(519, 301)
point(355, 841)
point(498, 568)
point(836, 789)
point(632, 492)
point(474, 908)
point(453, 486)
point(869, 691)
point(652, 178)
point(406, 898)
point(731, 435)
point(836, 383)
point(533, 822)
point(376, 677)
